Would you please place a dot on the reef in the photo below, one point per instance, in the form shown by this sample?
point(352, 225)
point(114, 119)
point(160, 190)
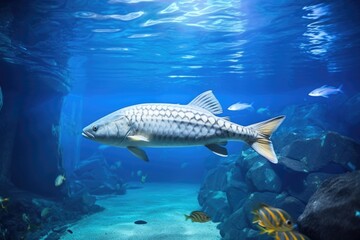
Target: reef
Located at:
point(24, 215)
point(308, 156)
point(333, 212)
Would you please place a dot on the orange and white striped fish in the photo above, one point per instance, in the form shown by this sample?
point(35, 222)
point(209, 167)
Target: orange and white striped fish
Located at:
point(271, 220)
point(290, 235)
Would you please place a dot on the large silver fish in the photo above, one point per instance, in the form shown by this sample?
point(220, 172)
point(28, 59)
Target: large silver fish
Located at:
point(162, 125)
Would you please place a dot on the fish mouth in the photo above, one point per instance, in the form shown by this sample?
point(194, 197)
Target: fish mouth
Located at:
point(87, 134)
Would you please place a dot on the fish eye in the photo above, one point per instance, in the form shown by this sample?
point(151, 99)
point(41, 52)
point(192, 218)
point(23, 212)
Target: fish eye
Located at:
point(288, 222)
point(94, 128)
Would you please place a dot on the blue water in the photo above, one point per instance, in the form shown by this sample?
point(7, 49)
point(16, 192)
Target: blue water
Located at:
point(268, 54)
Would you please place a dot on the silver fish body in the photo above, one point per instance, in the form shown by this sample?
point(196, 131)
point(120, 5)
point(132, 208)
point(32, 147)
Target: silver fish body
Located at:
point(163, 125)
point(179, 125)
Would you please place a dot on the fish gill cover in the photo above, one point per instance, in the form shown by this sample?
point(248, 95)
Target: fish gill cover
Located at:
point(66, 63)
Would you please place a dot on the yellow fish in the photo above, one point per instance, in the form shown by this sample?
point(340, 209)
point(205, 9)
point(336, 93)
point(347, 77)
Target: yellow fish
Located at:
point(271, 220)
point(198, 216)
point(290, 235)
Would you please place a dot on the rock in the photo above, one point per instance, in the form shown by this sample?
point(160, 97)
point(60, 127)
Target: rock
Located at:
point(306, 151)
point(341, 150)
point(331, 211)
point(306, 188)
point(238, 225)
point(315, 154)
point(216, 206)
point(95, 175)
point(263, 177)
point(217, 178)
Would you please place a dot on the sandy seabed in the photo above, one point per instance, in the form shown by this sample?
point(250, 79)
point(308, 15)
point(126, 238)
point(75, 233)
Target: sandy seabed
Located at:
point(162, 206)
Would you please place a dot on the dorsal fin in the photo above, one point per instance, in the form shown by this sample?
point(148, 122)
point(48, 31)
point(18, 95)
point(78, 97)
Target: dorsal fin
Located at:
point(208, 101)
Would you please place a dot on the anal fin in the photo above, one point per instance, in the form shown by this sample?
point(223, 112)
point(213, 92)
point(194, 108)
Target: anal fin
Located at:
point(217, 149)
point(139, 153)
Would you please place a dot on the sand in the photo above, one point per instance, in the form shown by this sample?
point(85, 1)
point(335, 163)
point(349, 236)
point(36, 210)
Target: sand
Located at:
point(162, 205)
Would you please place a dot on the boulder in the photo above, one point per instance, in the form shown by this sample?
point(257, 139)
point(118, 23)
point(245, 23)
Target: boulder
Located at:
point(317, 153)
point(331, 212)
point(216, 206)
point(263, 177)
point(306, 188)
point(96, 176)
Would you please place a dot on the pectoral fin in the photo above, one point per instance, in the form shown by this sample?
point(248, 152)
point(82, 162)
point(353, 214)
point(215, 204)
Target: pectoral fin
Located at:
point(217, 149)
point(138, 138)
point(138, 153)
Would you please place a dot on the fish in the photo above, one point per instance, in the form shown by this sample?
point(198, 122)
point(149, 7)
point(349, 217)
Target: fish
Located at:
point(143, 179)
point(59, 180)
point(45, 212)
point(271, 220)
point(176, 125)
point(289, 235)
point(240, 106)
point(325, 91)
point(140, 222)
point(198, 216)
point(139, 173)
point(263, 110)
point(70, 231)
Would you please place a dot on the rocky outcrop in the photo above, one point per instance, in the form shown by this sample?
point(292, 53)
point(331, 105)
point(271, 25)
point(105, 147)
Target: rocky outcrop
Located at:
point(307, 157)
point(96, 176)
point(332, 213)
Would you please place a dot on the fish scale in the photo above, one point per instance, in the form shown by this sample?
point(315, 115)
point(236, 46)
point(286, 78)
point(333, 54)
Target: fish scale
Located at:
point(179, 125)
point(162, 125)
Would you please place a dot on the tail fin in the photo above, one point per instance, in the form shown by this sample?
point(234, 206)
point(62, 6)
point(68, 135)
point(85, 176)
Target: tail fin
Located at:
point(340, 88)
point(263, 145)
point(186, 217)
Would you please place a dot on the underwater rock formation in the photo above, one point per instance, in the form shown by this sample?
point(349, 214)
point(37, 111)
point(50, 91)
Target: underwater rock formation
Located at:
point(28, 216)
point(306, 159)
point(94, 175)
point(333, 212)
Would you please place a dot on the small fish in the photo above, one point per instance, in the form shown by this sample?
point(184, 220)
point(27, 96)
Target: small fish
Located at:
point(59, 180)
point(143, 179)
point(263, 110)
point(198, 216)
point(357, 213)
point(140, 222)
point(325, 91)
point(45, 212)
point(139, 173)
point(69, 231)
point(271, 220)
point(240, 106)
point(2, 201)
point(289, 235)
